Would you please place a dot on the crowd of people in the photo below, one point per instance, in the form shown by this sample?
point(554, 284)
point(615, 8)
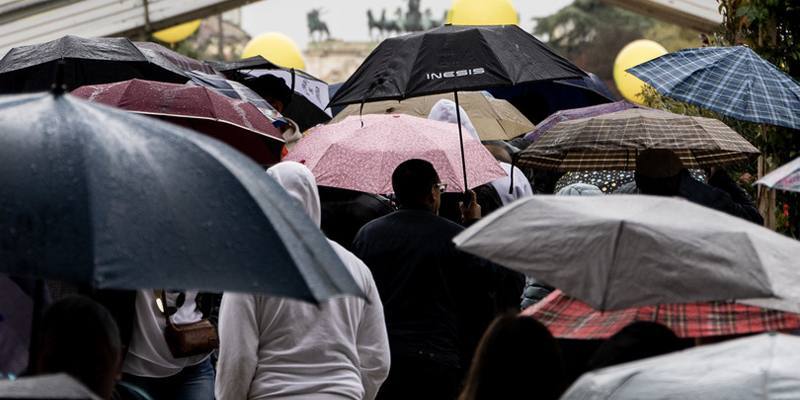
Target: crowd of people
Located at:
point(436, 322)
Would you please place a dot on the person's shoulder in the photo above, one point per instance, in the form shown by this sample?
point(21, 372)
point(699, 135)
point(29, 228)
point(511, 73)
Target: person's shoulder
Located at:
point(446, 224)
point(378, 223)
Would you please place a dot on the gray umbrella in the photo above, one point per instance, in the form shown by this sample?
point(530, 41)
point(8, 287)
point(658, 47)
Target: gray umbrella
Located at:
point(757, 367)
point(615, 252)
point(94, 195)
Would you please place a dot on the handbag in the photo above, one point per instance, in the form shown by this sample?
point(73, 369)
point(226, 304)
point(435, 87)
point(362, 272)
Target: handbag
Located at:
point(186, 340)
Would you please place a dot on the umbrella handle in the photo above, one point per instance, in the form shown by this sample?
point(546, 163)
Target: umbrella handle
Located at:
point(461, 140)
point(58, 88)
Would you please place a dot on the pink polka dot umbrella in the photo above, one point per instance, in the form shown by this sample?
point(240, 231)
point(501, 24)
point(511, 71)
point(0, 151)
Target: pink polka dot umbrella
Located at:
point(356, 156)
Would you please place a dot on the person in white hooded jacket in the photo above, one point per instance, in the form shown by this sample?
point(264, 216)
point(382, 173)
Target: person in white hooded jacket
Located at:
point(278, 348)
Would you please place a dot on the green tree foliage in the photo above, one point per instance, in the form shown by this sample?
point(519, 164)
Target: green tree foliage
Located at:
point(591, 33)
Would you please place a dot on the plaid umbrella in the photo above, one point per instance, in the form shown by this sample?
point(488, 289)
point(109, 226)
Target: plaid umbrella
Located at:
point(569, 318)
point(576, 113)
point(733, 81)
point(786, 177)
point(612, 141)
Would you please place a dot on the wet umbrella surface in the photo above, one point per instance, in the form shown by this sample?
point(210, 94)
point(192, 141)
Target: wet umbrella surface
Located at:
point(99, 196)
point(86, 61)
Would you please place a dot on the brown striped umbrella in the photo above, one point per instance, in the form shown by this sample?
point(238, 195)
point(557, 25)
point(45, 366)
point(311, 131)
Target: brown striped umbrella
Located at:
point(612, 141)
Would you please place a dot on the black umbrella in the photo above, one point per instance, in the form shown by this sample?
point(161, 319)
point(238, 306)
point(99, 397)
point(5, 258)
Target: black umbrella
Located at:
point(86, 61)
point(99, 196)
point(309, 95)
point(453, 58)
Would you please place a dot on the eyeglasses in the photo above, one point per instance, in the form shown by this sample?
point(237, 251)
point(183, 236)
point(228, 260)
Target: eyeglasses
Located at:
point(441, 186)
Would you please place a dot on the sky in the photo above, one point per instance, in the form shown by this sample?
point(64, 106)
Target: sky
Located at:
point(347, 19)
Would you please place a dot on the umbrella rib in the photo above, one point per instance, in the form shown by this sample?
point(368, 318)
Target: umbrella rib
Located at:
point(614, 252)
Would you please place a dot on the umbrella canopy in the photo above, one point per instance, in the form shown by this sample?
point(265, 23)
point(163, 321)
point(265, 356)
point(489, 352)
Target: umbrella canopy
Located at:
point(615, 252)
point(310, 95)
point(733, 81)
point(46, 387)
point(87, 61)
point(577, 113)
point(570, 318)
point(103, 197)
point(757, 367)
point(494, 119)
point(236, 122)
point(348, 155)
point(236, 90)
point(538, 100)
point(612, 141)
point(173, 61)
point(608, 181)
point(232, 67)
point(787, 177)
point(308, 105)
point(451, 58)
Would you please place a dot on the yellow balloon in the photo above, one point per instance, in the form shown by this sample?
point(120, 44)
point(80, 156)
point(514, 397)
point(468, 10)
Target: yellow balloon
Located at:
point(482, 12)
point(277, 48)
point(177, 33)
point(634, 53)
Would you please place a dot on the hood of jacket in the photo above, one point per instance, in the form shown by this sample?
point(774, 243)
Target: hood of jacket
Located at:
point(299, 182)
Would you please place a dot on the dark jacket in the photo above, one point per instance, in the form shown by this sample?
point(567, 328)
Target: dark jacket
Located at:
point(722, 194)
point(437, 300)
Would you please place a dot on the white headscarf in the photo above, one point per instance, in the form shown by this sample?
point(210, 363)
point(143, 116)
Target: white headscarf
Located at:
point(445, 110)
point(299, 182)
point(522, 188)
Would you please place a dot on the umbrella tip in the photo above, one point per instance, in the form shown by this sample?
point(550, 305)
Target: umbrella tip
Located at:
point(58, 88)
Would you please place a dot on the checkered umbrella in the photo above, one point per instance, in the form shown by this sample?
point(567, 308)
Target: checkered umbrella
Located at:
point(612, 141)
point(569, 318)
point(733, 81)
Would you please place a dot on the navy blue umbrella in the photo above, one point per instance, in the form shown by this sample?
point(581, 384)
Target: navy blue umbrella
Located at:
point(733, 81)
point(539, 100)
point(99, 196)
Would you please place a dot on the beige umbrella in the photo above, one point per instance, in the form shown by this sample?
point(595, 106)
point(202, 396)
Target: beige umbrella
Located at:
point(494, 119)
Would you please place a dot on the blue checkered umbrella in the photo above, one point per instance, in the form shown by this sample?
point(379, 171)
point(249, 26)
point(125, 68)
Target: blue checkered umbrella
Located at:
point(733, 81)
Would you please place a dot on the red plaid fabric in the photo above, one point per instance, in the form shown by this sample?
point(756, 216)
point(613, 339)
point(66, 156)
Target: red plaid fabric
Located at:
point(568, 318)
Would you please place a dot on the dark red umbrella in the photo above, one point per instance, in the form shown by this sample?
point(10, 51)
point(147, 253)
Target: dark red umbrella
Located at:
point(235, 122)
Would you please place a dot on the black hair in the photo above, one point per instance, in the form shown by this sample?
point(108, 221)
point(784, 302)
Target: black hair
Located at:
point(517, 355)
point(640, 339)
point(269, 86)
point(412, 182)
point(79, 337)
point(669, 186)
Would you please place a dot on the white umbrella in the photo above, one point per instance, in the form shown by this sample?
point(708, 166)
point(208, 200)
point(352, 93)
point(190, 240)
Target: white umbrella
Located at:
point(615, 252)
point(786, 177)
point(756, 367)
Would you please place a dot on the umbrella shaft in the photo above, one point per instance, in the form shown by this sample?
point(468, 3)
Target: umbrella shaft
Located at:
point(461, 140)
